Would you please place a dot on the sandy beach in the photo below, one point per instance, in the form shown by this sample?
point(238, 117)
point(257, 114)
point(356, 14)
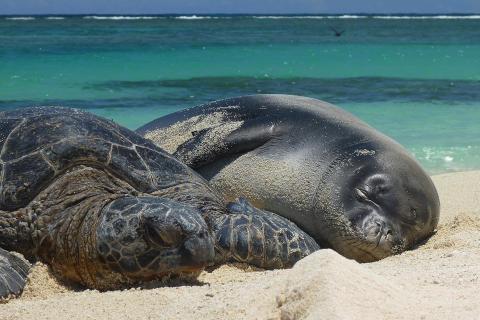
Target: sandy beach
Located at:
point(437, 280)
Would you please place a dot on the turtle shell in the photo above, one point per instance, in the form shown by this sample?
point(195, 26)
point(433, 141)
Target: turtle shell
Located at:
point(38, 144)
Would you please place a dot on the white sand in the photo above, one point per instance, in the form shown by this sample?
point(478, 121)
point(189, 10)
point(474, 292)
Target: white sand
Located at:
point(438, 280)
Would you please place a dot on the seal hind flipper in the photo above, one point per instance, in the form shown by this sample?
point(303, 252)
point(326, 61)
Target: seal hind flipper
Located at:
point(13, 274)
point(261, 238)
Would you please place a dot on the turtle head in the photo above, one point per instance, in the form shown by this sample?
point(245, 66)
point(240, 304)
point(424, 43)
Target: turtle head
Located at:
point(388, 201)
point(145, 238)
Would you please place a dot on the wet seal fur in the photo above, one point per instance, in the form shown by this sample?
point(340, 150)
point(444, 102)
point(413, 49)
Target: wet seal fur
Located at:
point(344, 183)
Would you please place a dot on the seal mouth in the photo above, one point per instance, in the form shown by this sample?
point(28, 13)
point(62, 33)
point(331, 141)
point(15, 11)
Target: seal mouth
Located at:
point(374, 245)
point(384, 237)
point(374, 252)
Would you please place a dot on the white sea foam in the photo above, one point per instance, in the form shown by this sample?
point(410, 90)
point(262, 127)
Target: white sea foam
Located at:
point(20, 18)
point(448, 159)
point(122, 17)
point(345, 16)
point(287, 17)
point(350, 16)
point(428, 17)
point(454, 158)
point(194, 17)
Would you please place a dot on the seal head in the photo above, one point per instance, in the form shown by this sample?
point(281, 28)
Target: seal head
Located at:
point(384, 205)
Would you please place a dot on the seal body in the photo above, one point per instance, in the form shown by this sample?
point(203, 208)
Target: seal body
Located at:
point(347, 185)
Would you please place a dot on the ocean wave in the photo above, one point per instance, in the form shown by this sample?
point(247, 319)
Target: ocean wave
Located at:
point(447, 159)
point(122, 17)
point(353, 16)
point(428, 17)
point(288, 17)
point(195, 17)
point(345, 16)
point(201, 17)
point(20, 18)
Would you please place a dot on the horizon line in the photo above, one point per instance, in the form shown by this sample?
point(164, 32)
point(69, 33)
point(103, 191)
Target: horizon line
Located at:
point(240, 14)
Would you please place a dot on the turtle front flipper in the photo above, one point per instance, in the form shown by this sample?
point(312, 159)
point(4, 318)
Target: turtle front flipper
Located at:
point(260, 238)
point(13, 274)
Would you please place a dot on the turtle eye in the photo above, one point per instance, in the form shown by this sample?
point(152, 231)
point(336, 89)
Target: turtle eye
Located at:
point(167, 237)
point(361, 194)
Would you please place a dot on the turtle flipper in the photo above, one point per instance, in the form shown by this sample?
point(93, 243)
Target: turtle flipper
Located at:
point(260, 238)
point(13, 274)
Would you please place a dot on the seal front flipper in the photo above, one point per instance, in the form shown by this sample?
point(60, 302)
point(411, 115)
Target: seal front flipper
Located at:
point(261, 238)
point(13, 274)
point(229, 139)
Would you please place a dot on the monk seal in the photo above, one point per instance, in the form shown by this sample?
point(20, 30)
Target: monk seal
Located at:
point(344, 183)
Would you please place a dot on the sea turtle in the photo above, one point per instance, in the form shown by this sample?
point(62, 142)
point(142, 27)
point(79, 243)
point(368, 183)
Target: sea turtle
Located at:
point(346, 184)
point(107, 208)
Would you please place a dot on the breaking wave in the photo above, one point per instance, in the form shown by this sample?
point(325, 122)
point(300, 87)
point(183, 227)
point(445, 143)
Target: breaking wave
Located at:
point(345, 16)
point(202, 17)
point(20, 18)
point(428, 17)
point(122, 17)
point(195, 17)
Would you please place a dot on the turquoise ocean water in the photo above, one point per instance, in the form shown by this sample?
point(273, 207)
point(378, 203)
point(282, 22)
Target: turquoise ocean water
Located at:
point(416, 78)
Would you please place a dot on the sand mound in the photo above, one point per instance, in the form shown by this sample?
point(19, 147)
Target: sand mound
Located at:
point(319, 286)
point(438, 280)
point(326, 285)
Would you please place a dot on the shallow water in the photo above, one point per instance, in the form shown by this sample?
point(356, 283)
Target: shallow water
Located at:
point(416, 78)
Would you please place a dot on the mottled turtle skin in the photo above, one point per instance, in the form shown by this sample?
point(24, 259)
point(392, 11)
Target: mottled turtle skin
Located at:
point(106, 208)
